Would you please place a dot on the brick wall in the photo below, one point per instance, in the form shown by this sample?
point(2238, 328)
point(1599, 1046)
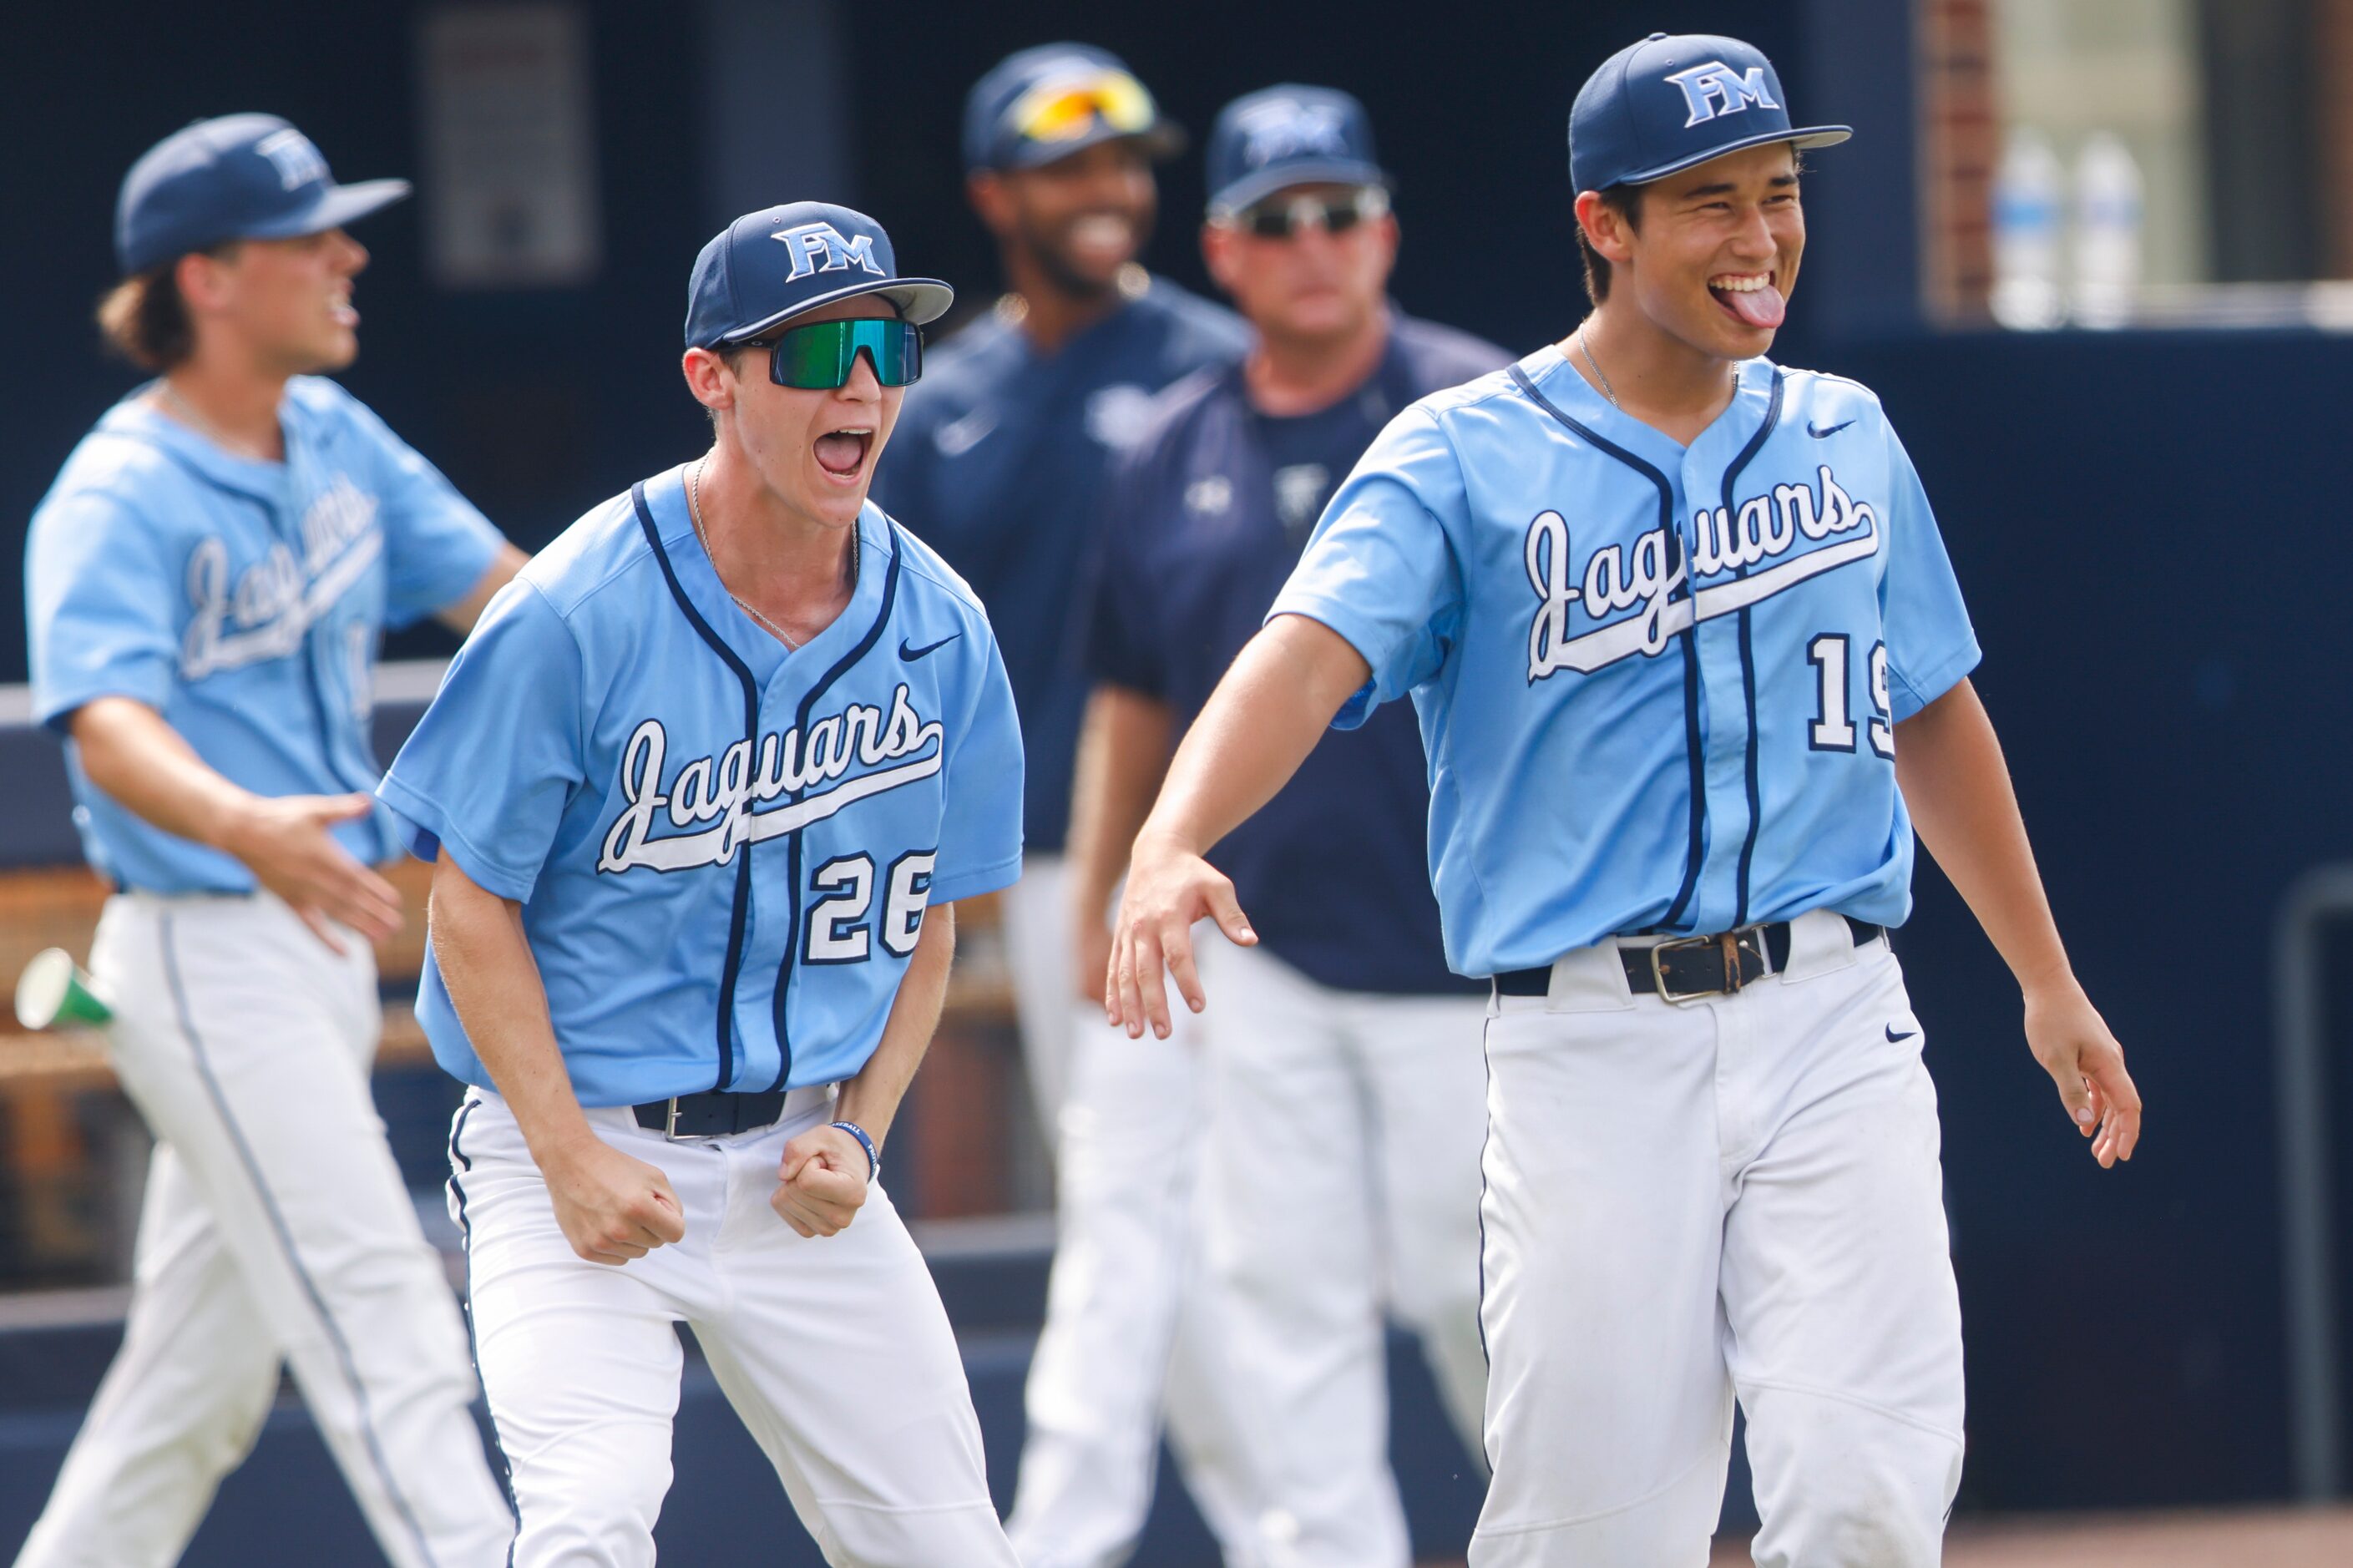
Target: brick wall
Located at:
point(1961, 145)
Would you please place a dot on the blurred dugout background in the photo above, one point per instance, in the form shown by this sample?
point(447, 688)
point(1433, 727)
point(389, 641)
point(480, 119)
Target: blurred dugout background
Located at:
point(2084, 249)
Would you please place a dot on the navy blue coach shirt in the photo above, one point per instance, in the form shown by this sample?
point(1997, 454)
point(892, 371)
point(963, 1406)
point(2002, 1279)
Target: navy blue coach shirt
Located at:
point(998, 463)
point(1209, 515)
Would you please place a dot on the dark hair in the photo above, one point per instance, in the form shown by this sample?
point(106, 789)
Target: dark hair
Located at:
point(1626, 200)
point(144, 320)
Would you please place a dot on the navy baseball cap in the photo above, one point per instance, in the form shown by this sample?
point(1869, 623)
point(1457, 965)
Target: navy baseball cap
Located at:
point(1043, 104)
point(1667, 103)
point(776, 263)
point(241, 176)
point(1289, 135)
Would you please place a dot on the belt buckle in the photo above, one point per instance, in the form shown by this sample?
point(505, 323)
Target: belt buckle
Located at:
point(1659, 974)
point(669, 1122)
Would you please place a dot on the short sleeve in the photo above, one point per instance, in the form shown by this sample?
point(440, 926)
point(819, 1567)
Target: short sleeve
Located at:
point(102, 600)
point(488, 771)
point(1930, 643)
point(1381, 569)
point(437, 543)
point(981, 788)
point(1122, 638)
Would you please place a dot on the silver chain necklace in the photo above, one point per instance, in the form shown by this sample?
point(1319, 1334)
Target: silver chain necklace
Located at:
point(1601, 375)
point(1606, 390)
point(694, 512)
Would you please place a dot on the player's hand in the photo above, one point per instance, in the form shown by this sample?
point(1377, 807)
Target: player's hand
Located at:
point(821, 1184)
point(1168, 888)
point(2071, 1041)
point(613, 1207)
point(287, 844)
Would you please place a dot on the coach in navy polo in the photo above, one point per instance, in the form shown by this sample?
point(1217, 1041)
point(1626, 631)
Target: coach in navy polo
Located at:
point(1001, 452)
point(998, 464)
point(1345, 1057)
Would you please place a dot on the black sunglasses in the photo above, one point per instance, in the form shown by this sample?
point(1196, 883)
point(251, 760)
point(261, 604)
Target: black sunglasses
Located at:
point(1280, 217)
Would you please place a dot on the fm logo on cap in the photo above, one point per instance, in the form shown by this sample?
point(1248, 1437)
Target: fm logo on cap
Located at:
point(1286, 128)
point(297, 162)
point(1716, 88)
point(809, 240)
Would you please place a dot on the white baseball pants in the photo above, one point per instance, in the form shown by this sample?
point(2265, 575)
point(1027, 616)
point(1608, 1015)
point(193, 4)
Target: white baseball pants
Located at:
point(275, 1225)
point(1736, 1196)
point(1343, 1174)
point(1133, 1331)
point(834, 1351)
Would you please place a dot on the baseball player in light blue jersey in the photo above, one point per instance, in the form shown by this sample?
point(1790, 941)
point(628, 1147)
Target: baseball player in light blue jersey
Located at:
point(690, 789)
point(1690, 663)
point(207, 582)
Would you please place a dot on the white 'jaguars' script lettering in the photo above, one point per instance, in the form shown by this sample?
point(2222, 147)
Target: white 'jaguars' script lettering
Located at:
point(727, 789)
point(275, 602)
point(1645, 576)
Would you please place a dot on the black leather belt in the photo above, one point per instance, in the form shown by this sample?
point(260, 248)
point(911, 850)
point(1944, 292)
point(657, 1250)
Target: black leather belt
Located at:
point(711, 1115)
point(1694, 966)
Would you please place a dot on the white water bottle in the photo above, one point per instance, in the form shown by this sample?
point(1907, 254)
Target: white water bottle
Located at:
point(2107, 232)
point(2029, 217)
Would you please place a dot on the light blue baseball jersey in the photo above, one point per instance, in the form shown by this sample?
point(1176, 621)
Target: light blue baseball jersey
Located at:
point(242, 600)
point(1658, 686)
point(723, 850)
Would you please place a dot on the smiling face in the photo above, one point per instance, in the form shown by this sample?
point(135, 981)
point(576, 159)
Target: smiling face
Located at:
point(1714, 255)
point(1312, 285)
point(1078, 219)
point(284, 306)
point(815, 449)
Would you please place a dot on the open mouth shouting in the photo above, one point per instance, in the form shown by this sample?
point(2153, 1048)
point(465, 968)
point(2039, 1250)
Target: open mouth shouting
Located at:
point(340, 311)
point(1749, 298)
point(842, 453)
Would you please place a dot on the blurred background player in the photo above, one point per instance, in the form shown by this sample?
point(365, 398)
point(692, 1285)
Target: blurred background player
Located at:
point(1000, 466)
point(689, 1029)
point(1347, 1092)
point(208, 580)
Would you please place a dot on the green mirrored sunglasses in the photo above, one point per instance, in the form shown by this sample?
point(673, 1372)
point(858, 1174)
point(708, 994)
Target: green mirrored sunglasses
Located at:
point(819, 357)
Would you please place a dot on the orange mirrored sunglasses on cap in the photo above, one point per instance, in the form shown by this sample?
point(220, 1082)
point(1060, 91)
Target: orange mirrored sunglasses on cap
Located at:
point(1064, 109)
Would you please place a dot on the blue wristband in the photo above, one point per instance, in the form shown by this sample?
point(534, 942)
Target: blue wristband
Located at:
point(873, 1157)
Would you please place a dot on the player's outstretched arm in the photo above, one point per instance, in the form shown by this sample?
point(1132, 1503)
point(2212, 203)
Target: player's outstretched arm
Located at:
point(1949, 765)
point(461, 614)
point(1122, 758)
point(612, 1207)
point(1259, 724)
point(822, 1183)
point(131, 753)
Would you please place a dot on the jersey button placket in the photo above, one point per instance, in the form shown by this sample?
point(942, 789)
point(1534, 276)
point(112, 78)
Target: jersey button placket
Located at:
point(1723, 713)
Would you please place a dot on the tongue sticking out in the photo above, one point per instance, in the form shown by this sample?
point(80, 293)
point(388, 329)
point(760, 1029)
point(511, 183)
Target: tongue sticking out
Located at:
point(840, 454)
point(1757, 307)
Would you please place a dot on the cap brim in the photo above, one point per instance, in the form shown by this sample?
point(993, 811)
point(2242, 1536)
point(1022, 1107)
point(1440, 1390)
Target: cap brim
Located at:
point(1162, 139)
point(336, 206)
point(1257, 187)
point(921, 301)
point(1811, 136)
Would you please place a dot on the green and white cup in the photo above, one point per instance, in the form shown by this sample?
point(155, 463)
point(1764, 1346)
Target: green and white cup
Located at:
point(53, 992)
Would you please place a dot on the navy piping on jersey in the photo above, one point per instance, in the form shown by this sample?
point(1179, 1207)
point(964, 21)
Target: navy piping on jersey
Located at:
point(461, 1162)
point(1747, 655)
point(253, 1173)
point(780, 1004)
point(1688, 636)
point(738, 917)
